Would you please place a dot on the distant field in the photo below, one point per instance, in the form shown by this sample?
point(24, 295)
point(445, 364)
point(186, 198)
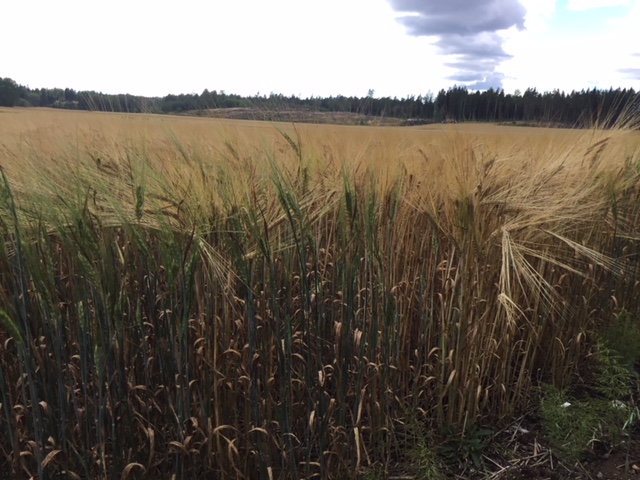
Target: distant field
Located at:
point(57, 129)
point(41, 117)
point(194, 296)
point(298, 116)
point(45, 139)
point(55, 143)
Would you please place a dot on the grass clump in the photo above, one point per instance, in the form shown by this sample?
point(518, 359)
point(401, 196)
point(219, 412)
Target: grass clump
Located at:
point(578, 427)
point(597, 420)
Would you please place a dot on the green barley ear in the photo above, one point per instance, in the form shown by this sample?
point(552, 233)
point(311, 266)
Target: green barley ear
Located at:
point(139, 202)
point(11, 327)
point(294, 144)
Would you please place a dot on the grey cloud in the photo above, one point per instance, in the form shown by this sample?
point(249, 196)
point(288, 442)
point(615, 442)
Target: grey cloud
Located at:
point(462, 17)
point(493, 80)
point(633, 73)
point(470, 65)
point(467, 77)
point(480, 46)
point(481, 78)
point(467, 31)
point(476, 59)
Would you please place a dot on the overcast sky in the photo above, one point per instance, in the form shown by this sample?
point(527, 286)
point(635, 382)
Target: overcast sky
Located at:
point(320, 47)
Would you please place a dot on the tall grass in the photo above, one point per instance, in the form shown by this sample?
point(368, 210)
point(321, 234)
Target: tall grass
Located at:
point(207, 300)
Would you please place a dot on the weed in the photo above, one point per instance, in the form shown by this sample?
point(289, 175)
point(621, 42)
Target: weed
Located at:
point(422, 452)
point(622, 336)
point(466, 446)
point(613, 377)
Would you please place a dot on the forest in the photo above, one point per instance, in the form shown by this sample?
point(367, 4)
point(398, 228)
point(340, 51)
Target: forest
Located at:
point(558, 108)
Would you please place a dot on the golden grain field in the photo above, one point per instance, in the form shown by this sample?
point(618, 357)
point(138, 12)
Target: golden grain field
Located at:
point(196, 297)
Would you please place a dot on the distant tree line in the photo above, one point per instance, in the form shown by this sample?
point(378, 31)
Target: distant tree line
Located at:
point(455, 104)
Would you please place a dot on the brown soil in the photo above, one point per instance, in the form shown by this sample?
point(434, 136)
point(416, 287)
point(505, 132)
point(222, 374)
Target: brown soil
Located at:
point(532, 460)
point(298, 116)
point(620, 465)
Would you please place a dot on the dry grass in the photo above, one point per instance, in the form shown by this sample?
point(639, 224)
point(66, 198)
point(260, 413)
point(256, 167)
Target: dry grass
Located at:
point(192, 297)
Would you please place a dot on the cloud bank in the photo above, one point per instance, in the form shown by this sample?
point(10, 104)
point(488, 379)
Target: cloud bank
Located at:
point(632, 72)
point(466, 31)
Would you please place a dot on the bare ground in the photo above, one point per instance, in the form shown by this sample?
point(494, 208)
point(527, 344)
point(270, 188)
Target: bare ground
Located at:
point(525, 455)
point(298, 116)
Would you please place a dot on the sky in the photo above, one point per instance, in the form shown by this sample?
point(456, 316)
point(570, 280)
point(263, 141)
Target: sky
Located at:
point(320, 47)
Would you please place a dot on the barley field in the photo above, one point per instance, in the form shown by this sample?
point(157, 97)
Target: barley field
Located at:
point(204, 298)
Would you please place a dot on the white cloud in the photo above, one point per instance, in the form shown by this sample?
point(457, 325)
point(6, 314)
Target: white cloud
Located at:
point(305, 47)
point(152, 48)
point(589, 4)
point(557, 52)
point(539, 13)
point(582, 58)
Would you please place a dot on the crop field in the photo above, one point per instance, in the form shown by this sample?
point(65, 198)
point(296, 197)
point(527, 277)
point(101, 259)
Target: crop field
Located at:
point(206, 298)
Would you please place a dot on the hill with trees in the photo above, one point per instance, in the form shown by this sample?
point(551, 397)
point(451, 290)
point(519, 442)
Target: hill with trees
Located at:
point(457, 103)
